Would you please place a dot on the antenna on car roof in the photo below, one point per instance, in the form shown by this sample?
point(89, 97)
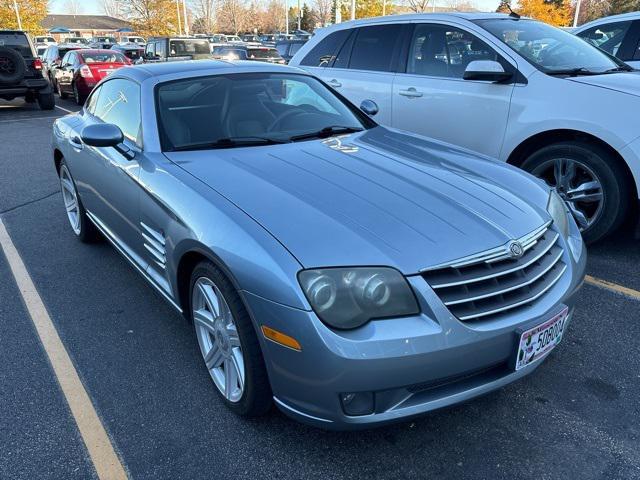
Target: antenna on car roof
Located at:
point(507, 5)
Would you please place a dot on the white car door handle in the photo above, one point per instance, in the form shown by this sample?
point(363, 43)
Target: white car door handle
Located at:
point(334, 83)
point(75, 142)
point(410, 92)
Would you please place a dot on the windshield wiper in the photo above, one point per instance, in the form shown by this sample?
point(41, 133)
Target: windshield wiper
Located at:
point(231, 142)
point(326, 132)
point(621, 68)
point(573, 72)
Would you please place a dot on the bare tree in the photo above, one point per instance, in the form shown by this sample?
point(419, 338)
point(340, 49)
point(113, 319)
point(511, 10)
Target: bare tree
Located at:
point(418, 6)
point(113, 8)
point(73, 7)
point(323, 9)
point(233, 16)
point(204, 11)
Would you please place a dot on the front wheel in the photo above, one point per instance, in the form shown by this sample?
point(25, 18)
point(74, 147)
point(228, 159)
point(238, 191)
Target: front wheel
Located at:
point(76, 214)
point(589, 179)
point(228, 342)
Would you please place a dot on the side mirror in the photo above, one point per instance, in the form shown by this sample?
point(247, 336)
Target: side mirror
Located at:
point(487, 70)
point(106, 135)
point(102, 135)
point(369, 107)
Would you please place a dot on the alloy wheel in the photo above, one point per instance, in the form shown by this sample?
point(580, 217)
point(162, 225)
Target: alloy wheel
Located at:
point(578, 186)
point(218, 339)
point(70, 199)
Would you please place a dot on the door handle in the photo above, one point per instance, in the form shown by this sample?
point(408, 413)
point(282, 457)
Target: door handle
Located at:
point(334, 83)
point(410, 92)
point(76, 143)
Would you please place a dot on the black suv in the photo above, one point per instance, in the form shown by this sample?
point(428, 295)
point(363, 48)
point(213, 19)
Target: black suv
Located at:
point(21, 71)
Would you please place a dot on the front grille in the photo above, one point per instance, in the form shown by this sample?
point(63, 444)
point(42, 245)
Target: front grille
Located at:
point(488, 284)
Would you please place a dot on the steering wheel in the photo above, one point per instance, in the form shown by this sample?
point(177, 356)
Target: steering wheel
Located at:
point(283, 116)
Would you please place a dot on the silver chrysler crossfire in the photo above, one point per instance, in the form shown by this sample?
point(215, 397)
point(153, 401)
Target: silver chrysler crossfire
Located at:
point(352, 274)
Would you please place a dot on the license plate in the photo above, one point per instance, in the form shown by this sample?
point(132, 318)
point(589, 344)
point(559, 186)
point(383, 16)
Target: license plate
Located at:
point(538, 341)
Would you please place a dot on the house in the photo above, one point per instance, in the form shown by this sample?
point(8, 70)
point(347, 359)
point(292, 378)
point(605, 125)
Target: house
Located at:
point(85, 25)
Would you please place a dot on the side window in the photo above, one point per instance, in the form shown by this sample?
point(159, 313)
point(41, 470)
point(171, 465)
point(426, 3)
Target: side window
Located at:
point(92, 100)
point(344, 55)
point(636, 55)
point(293, 49)
point(66, 59)
point(161, 49)
point(374, 48)
point(443, 51)
point(608, 37)
point(325, 51)
point(119, 103)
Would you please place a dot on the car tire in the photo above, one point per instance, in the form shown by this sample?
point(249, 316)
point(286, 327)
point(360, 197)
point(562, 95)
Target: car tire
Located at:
point(603, 213)
point(13, 66)
point(61, 93)
point(256, 397)
point(81, 226)
point(77, 96)
point(46, 101)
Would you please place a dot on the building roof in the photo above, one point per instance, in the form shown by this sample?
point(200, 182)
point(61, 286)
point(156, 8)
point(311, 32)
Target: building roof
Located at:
point(84, 22)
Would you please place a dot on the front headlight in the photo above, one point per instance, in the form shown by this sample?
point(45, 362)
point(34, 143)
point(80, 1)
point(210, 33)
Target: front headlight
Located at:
point(350, 297)
point(558, 211)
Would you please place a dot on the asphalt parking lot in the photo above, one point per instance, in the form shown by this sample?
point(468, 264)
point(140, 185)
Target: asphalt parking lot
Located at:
point(577, 416)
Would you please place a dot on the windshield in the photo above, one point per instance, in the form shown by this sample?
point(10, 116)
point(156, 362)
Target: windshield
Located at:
point(76, 40)
point(103, 57)
point(548, 48)
point(262, 53)
point(189, 47)
point(250, 109)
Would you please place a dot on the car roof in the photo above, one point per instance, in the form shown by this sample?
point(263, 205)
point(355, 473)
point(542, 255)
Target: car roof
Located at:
point(190, 68)
point(470, 16)
point(610, 19)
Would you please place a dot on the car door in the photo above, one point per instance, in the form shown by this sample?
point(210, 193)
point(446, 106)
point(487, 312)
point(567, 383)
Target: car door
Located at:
point(365, 66)
point(616, 38)
point(431, 97)
point(107, 180)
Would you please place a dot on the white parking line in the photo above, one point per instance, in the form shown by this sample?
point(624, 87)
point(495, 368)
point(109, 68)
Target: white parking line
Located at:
point(65, 110)
point(94, 435)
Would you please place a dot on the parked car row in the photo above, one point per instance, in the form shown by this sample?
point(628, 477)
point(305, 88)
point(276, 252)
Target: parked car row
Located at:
point(509, 88)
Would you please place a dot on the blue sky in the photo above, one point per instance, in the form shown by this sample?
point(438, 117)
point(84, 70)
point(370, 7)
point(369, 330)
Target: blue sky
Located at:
point(93, 6)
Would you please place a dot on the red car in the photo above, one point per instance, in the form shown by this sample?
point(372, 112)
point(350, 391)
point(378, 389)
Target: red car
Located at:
point(81, 70)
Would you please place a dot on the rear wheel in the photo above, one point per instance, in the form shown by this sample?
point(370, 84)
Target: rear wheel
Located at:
point(83, 228)
point(591, 182)
point(46, 101)
point(78, 97)
point(228, 342)
point(61, 93)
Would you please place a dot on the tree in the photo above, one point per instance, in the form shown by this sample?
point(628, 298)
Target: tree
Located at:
point(324, 11)
point(419, 6)
point(591, 10)
point(112, 8)
point(204, 11)
point(233, 16)
point(31, 14)
point(554, 13)
point(151, 17)
point(371, 8)
point(73, 7)
point(271, 18)
point(622, 6)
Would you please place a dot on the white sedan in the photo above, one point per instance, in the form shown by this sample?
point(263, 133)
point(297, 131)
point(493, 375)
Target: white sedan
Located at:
point(510, 88)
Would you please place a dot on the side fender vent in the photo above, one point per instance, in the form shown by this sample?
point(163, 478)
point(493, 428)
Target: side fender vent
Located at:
point(154, 242)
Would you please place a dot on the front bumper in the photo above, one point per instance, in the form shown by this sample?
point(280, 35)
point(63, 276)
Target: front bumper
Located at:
point(413, 364)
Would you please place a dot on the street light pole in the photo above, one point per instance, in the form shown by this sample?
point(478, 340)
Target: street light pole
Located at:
point(299, 15)
point(575, 18)
point(178, 11)
point(384, 7)
point(353, 9)
point(184, 17)
point(15, 6)
point(286, 16)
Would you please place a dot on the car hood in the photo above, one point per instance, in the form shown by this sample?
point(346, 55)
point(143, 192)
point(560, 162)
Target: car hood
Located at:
point(624, 82)
point(377, 197)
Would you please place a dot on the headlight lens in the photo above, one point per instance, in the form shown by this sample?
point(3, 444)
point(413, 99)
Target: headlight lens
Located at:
point(350, 297)
point(558, 211)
